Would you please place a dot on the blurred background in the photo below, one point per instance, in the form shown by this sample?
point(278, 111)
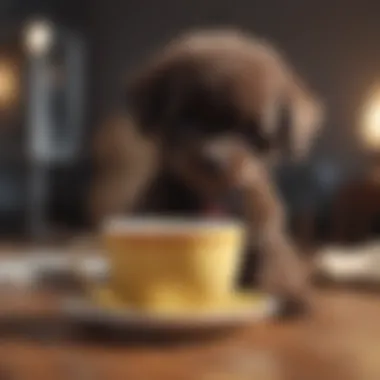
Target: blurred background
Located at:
point(61, 71)
point(62, 64)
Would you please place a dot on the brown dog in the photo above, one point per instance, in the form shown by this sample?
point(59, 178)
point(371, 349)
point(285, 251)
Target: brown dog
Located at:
point(211, 114)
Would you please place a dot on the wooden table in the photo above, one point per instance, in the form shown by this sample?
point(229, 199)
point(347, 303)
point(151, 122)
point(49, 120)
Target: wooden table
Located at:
point(340, 341)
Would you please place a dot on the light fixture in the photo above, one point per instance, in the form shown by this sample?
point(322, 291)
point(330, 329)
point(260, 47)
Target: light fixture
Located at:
point(9, 85)
point(39, 36)
point(370, 121)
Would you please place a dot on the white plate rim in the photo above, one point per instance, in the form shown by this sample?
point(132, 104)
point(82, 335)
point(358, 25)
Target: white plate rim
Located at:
point(82, 310)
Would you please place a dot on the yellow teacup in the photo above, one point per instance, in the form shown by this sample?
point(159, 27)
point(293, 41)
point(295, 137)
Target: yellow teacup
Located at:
point(162, 263)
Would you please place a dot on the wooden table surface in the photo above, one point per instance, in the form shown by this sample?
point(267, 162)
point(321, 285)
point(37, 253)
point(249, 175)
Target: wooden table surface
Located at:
point(340, 341)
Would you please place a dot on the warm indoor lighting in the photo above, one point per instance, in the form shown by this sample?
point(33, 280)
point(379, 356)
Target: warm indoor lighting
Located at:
point(39, 37)
point(370, 128)
point(8, 85)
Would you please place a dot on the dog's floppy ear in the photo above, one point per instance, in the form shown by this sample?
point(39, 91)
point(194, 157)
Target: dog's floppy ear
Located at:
point(305, 116)
point(126, 164)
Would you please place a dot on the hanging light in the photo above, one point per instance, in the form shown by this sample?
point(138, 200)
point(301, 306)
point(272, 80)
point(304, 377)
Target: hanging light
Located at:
point(39, 36)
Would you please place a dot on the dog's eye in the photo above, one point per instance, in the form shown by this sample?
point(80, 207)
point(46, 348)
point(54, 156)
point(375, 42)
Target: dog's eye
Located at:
point(182, 134)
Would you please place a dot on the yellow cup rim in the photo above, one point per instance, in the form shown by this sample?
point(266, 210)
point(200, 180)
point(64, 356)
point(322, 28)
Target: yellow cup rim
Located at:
point(167, 225)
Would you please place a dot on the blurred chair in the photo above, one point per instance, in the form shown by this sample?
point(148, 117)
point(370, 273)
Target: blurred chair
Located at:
point(356, 209)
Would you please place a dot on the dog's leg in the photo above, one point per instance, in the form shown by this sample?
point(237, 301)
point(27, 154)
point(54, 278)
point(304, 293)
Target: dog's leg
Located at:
point(283, 272)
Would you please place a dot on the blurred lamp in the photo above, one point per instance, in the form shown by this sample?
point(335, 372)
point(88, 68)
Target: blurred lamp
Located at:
point(8, 84)
point(370, 126)
point(39, 36)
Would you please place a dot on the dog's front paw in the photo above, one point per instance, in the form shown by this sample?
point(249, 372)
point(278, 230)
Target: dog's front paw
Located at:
point(286, 278)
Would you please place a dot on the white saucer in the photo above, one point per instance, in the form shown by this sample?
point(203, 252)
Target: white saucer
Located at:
point(81, 310)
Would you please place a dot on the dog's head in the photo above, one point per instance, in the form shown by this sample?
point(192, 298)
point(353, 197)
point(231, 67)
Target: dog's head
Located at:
point(222, 85)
